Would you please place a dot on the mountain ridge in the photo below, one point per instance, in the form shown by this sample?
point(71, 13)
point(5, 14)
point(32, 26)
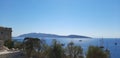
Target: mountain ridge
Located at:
point(37, 35)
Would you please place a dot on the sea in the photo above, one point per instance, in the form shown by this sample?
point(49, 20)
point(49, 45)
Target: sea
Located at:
point(112, 44)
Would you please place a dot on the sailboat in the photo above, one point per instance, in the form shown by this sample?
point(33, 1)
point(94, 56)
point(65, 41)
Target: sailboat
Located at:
point(101, 43)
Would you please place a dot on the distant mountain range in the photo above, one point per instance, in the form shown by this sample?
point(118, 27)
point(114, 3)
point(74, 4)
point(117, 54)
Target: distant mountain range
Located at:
point(38, 35)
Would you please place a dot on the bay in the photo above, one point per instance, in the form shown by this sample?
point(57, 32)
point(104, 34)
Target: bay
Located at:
point(112, 44)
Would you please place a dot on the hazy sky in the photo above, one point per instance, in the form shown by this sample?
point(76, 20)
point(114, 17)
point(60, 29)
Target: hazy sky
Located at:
point(94, 18)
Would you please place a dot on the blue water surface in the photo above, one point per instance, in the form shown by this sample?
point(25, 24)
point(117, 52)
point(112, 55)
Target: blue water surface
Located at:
point(113, 44)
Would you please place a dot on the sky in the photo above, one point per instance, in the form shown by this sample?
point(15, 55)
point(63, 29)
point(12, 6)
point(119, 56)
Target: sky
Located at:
point(93, 18)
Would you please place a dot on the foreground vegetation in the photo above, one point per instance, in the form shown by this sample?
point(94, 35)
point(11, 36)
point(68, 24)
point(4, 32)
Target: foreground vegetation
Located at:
point(37, 48)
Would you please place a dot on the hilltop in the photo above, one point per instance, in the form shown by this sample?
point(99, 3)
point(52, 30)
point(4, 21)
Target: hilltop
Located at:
point(37, 35)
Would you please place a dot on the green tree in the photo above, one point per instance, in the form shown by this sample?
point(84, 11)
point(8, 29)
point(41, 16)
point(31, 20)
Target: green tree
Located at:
point(44, 49)
point(18, 44)
point(96, 52)
point(56, 50)
point(74, 51)
point(31, 46)
point(9, 43)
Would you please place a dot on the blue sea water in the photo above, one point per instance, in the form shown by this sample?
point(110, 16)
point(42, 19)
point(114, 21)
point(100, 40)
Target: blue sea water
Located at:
point(113, 44)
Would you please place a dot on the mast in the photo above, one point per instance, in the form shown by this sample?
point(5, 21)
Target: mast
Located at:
point(101, 43)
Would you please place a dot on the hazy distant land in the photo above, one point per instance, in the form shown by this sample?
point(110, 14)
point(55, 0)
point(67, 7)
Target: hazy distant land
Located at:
point(37, 35)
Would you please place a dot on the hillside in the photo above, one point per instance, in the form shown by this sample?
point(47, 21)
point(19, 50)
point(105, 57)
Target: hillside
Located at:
point(37, 35)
